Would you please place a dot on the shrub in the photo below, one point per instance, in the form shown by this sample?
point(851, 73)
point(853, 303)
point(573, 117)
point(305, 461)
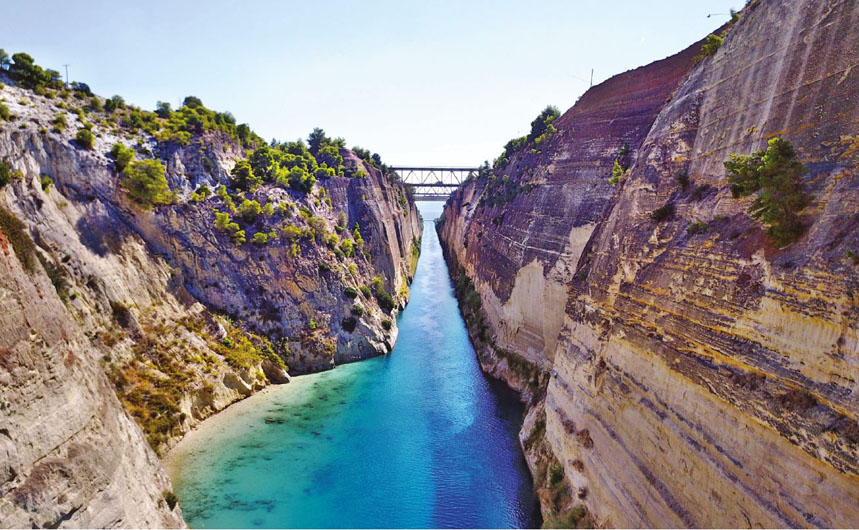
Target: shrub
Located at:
point(696, 228)
point(357, 310)
point(556, 474)
point(146, 183)
point(260, 239)
point(284, 209)
point(351, 292)
point(4, 113)
point(349, 324)
point(663, 213)
point(365, 291)
point(323, 267)
point(386, 324)
point(356, 236)
point(710, 47)
point(776, 175)
point(332, 240)
point(85, 139)
point(202, 193)
point(682, 179)
point(291, 232)
point(16, 234)
point(222, 221)
point(113, 103)
point(243, 176)
point(268, 210)
point(386, 301)
point(7, 174)
point(46, 182)
point(347, 247)
point(170, 498)
point(249, 210)
point(122, 156)
point(617, 174)
point(59, 122)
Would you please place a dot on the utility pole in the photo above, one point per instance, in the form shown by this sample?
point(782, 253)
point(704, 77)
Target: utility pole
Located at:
point(592, 77)
point(67, 74)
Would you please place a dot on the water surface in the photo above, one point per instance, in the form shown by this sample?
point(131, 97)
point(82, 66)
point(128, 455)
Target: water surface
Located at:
point(419, 438)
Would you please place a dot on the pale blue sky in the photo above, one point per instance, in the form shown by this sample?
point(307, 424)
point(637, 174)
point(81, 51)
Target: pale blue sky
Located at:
point(420, 82)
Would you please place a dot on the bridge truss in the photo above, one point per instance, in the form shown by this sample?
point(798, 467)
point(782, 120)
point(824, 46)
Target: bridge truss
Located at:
point(434, 183)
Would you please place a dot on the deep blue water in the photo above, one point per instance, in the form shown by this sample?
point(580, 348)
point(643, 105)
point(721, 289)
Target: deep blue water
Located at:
point(419, 438)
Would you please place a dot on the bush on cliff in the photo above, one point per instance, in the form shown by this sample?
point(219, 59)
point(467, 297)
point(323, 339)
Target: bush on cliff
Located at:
point(146, 183)
point(16, 234)
point(223, 222)
point(775, 175)
point(243, 177)
point(85, 139)
point(7, 174)
point(710, 47)
point(663, 213)
point(249, 210)
point(122, 156)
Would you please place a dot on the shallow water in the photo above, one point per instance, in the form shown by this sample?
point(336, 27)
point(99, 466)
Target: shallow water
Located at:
point(419, 438)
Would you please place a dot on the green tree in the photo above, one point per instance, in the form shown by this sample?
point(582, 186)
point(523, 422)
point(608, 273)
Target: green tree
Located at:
point(4, 60)
point(316, 140)
point(163, 110)
point(776, 175)
point(330, 156)
point(263, 164)
point(192, 101)
point(113, 103)
point(25, 70)
point(243, 176)
point(146, 183)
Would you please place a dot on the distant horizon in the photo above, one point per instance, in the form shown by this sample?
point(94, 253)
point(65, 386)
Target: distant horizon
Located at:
point(440, 85)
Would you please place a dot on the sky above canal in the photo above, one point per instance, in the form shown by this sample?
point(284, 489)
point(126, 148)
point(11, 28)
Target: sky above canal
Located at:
point(442, 83)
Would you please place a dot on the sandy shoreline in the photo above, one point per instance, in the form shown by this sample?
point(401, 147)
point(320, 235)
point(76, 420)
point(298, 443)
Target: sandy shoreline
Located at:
point(173, 459)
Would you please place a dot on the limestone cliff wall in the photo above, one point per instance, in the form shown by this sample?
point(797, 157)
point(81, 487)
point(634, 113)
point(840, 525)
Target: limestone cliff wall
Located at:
point(707, 378)
point(160, 309)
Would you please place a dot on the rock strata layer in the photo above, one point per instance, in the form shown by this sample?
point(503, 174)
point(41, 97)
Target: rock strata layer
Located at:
point(694, 377)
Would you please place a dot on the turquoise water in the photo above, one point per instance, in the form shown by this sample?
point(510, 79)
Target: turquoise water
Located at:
point(419, 438)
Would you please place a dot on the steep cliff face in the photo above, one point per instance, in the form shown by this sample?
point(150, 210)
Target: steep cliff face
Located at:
point(700, 377)
point(102, 299)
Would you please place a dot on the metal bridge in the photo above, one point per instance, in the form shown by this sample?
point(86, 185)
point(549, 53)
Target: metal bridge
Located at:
point(434, 183)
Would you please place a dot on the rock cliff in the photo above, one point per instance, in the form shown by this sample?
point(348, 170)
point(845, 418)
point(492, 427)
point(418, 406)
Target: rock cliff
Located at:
point(682, 370)
point(122, 327)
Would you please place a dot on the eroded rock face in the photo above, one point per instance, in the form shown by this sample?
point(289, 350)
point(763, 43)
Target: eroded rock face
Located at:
point(705, 378)
point(157, 307)
point(69, 453)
